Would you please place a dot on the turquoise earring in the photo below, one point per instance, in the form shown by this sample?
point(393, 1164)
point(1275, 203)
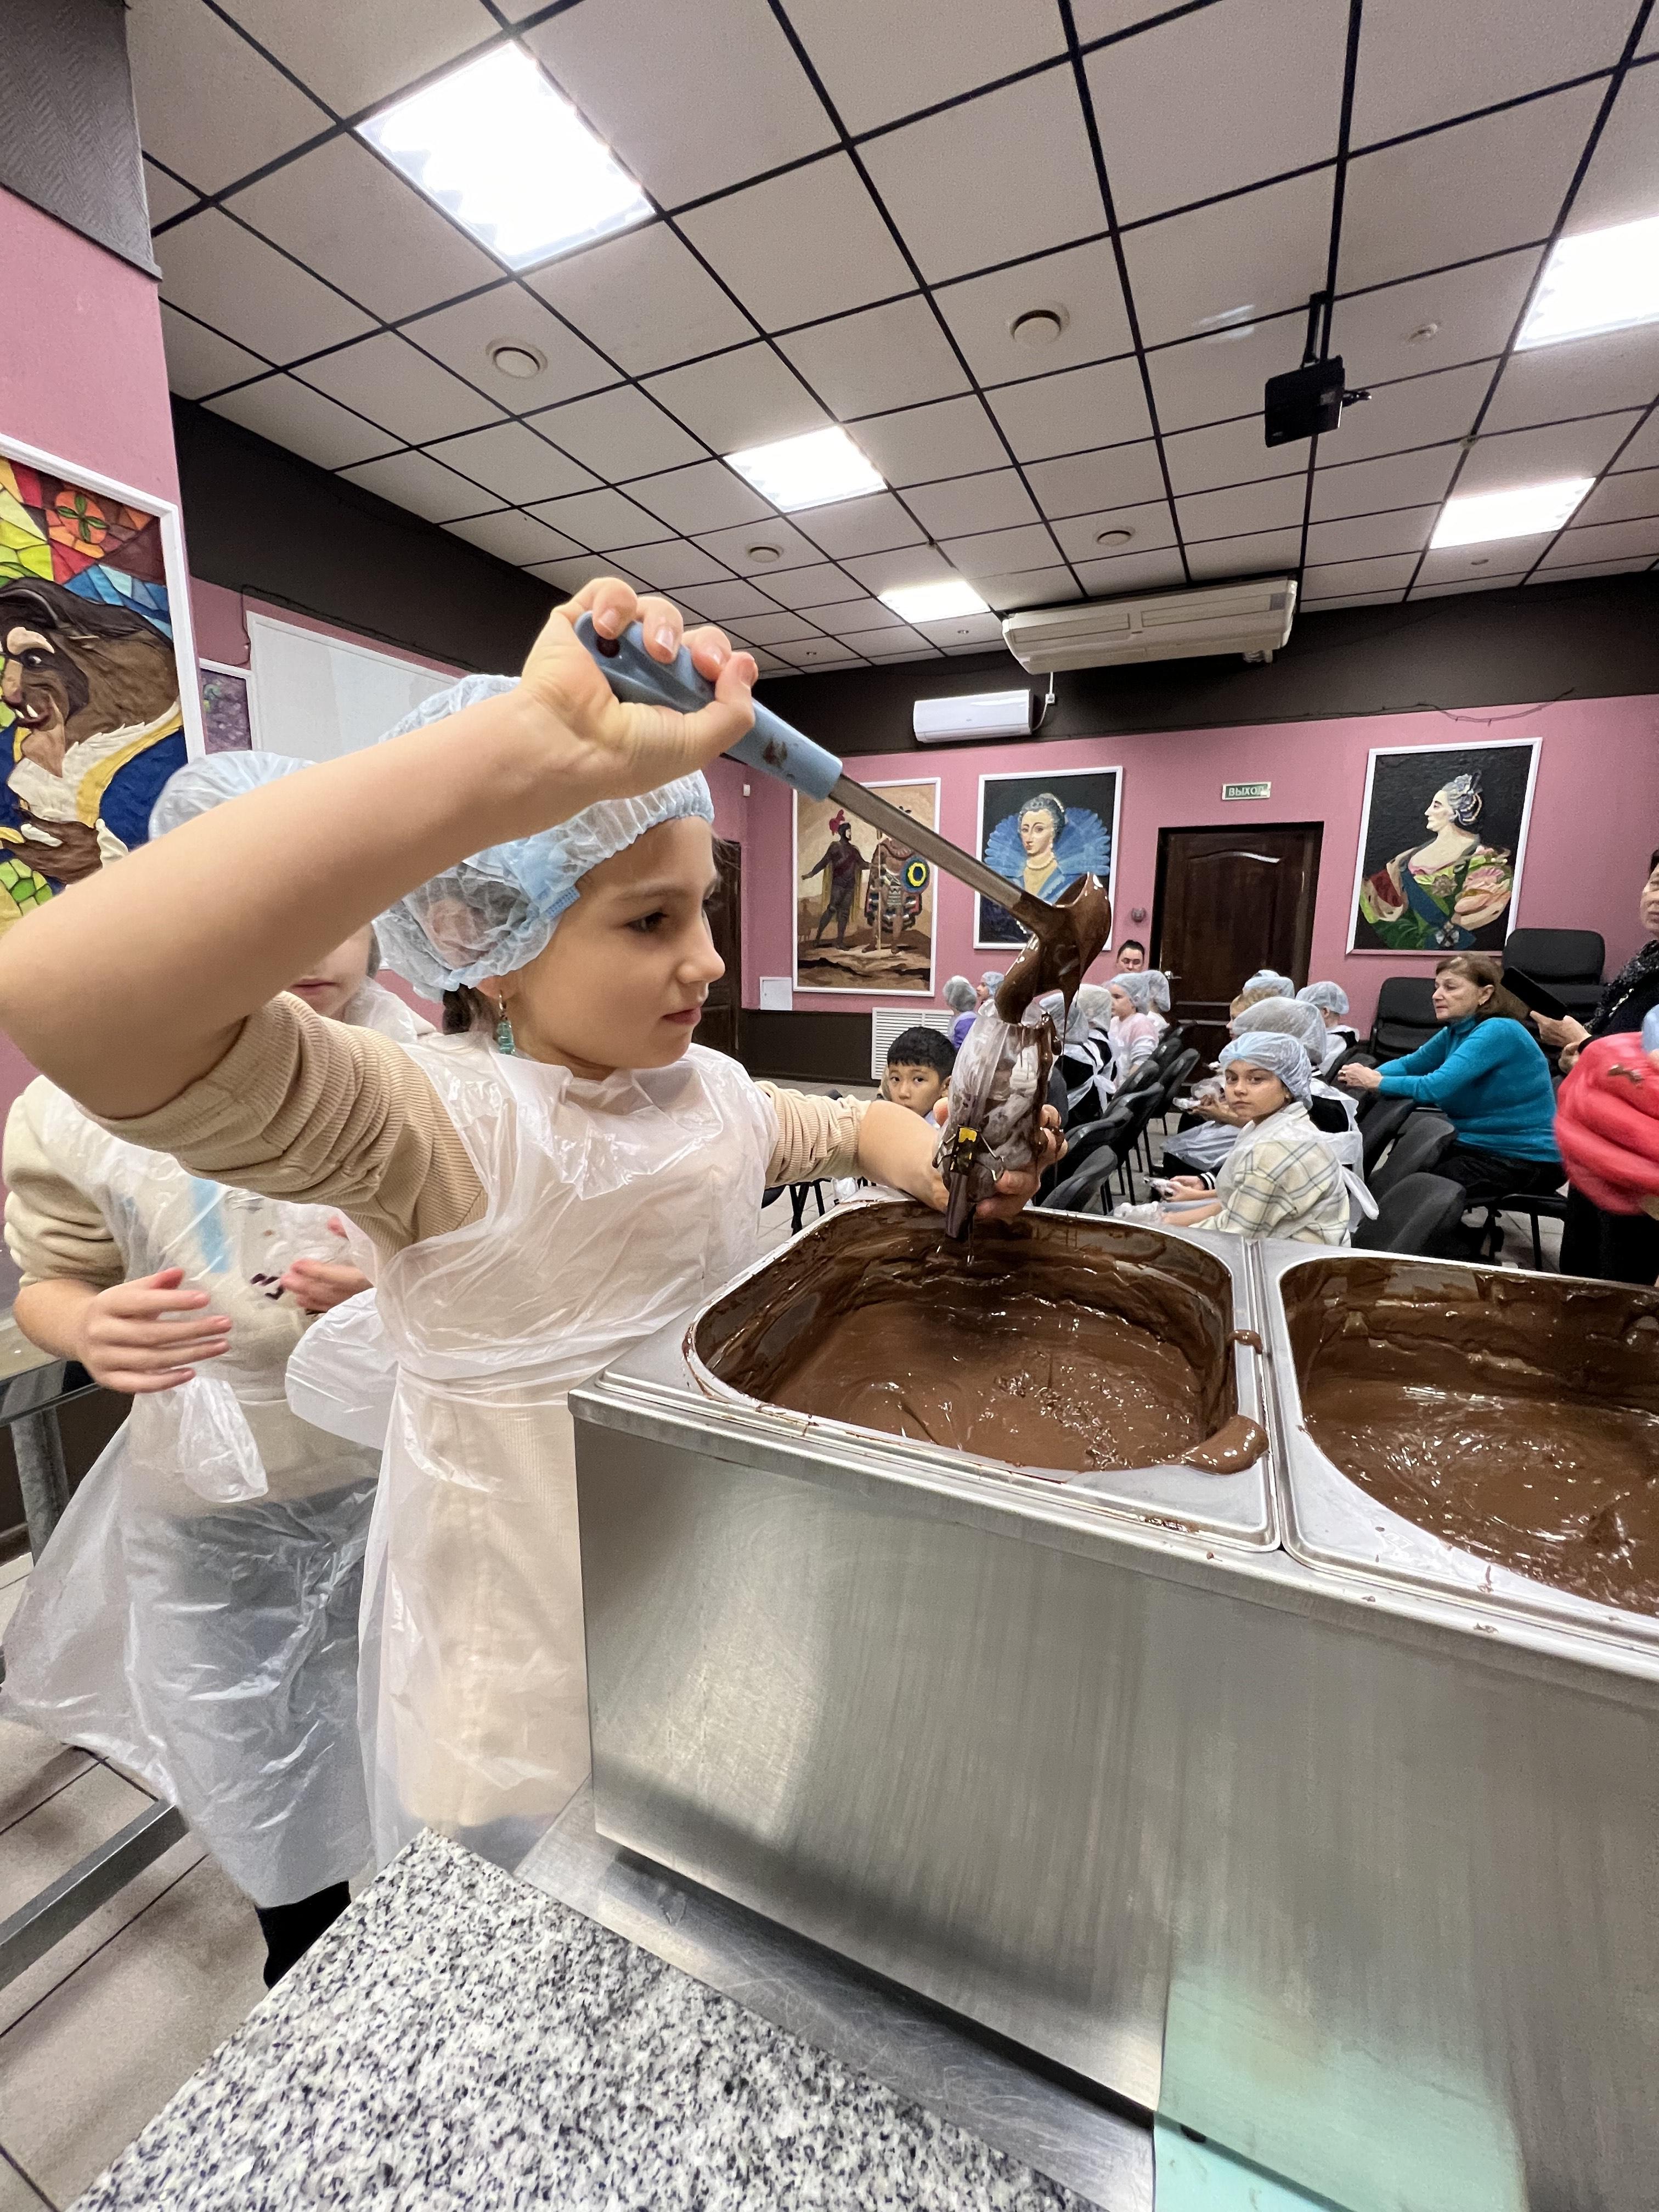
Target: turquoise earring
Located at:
point(505, 1041)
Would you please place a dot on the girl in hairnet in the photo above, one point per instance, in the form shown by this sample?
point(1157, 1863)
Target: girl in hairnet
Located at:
point(1340, 1035)
point(1281, 1178)
point(194, 1616)
point(562, 1176)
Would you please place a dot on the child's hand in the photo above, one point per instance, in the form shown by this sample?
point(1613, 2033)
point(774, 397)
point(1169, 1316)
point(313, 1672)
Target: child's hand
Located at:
point(321, 1284)
point(1188, 1187)
point(601, 748)
point(123, 1343)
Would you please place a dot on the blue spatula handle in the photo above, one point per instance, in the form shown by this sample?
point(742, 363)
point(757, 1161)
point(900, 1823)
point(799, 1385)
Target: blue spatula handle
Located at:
point(772, 745)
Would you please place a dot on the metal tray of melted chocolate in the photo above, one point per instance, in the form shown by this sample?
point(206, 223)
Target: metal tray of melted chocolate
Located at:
point(1118, 1365)
point(1485, 1433)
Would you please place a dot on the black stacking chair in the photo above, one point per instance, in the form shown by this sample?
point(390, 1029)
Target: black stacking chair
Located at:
point(1360, 1054)
point(1380, 1118)
point(1173, 1076)
point(1099, 1157)
point(1537, 1205)
point(1405, 1016)
point(1417, 1215)
point(1424, 1137)
point(1567, 962)
point(1081, 1144)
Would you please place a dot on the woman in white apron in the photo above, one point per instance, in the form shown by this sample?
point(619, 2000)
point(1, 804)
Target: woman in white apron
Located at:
point(194, 1616)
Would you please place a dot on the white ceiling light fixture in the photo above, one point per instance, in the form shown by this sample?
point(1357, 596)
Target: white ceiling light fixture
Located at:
point(1602, 280)
point(931, 603)
point(1524, 511)
point(509, 158)
point(813, 471)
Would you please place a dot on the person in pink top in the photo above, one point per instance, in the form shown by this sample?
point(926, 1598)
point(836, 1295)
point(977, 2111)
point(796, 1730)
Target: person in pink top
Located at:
point(1140, 1005)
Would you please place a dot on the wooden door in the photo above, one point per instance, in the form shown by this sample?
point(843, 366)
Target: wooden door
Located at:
point(1227, 902)
point(719, 1027)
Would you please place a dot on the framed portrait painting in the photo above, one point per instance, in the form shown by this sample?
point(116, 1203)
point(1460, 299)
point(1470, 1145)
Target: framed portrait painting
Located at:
point(1442, 837)
point(95, 629)
point(1043, 833)
point(864, 901)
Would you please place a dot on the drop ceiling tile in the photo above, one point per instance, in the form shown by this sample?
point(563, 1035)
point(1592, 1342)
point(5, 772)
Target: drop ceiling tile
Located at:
point(856, 618)
point(346, 55)
point(1149, 526)
point(1606, 541)
point(1340, 580)
point(461, 337)
point(216, 270)
point(1585, 376)
point(1618, 186)
point(964, 198)
point(1543, 456)
point(891, 356)
point(1642, 451)
point(291, 414)
point(733, 602)
point(619, 433)
point(1132, 572)
point(1081, 284)
point(1389, 598)
point(708, 496)
point(603, 520)
point(509, 459)
point(860, 526)
point(199, 360)
point(746, 398)
point(1254, 255)
point(240, 112)
point(777, 629)
point(930, 50)
point(1028, 587)
point(691, 98)
point(644, 299)
point(1210, 380)
point(1368, 487)
point(1100, 19)
point(760, 548)
point(993, 501)
point(346, 215)
point(913, 564)
point(1260, 92)
point(1262, 553)
point(676, 564)
point(1371, 537)
point(1462, 314)
point(769, 665)
point(817, 652)
point(1573, 572)
point(1001, 552)
point(1420, 411)
point(823, 584)
point(516, 538)
point(1118, 476)
point(811, 242)
point(395, 384)
point(570, 576)
point(899, 643)
point(1626, 498)
point(1458, 584)
point(1478, 188)
point(1274, 505)
point(920, 444)
point(964, 629)
point(1074, 411)
point(423, 486)
point(1504, 556)
point(1225, 454)
point(165, 195)
point(1421, 62)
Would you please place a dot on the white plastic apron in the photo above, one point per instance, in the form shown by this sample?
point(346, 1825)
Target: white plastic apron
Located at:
point(614, 1209)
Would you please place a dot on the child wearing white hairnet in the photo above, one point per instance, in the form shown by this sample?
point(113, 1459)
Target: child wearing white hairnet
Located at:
point(562, 1176)
point(1281, 1178)
point(194, 1616)
point(1331, 1001)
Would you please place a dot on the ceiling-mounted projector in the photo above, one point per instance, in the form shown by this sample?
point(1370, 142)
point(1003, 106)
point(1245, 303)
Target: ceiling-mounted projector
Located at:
point(1251, 618)
point(973, 714)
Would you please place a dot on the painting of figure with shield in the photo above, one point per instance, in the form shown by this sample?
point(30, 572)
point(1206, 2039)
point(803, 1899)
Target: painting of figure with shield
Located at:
point(864, 900)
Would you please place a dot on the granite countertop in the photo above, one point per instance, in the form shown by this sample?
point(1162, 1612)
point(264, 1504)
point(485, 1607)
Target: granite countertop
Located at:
point(458, 2039)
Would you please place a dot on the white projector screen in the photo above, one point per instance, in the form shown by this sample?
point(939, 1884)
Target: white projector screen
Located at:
point(316, 698)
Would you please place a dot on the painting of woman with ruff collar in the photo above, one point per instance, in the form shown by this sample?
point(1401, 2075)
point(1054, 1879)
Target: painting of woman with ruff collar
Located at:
point(1441, 845)
point(91, 719)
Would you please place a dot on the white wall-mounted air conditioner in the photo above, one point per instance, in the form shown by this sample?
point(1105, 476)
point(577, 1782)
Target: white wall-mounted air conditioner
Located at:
point(972, 715)
point(1250, 618)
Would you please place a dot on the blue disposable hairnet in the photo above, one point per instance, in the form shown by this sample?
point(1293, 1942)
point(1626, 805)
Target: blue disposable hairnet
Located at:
point(1331, 997)
point(1283, 986)
point(1147, 989)
point(958, 992)
point(1285, 1017)
point(991, 978)
point(1279, 1055)
point(200, 785)
point(492, 914)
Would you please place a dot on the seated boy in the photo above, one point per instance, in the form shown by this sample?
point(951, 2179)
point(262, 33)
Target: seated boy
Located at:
point(918, 1073)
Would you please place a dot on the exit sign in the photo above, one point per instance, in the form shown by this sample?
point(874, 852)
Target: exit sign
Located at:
point(1247, 790)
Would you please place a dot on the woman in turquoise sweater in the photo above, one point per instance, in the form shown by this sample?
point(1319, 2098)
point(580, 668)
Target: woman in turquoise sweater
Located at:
point(1484, 1070)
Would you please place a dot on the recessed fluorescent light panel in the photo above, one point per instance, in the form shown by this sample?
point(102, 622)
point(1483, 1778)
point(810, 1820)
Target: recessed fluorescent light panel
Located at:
point(509, 158)
point(928, 603)
point(1602, 280)
point(809, 471)
point(1528, 511)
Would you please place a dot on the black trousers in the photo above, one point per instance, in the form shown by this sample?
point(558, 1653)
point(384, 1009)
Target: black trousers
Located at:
point(1619, 1248)
point(290, 1931)
point(1487, 1176)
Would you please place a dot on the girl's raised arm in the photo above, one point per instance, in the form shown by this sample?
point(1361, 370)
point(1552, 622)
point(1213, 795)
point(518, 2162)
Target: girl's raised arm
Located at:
point(128, 987)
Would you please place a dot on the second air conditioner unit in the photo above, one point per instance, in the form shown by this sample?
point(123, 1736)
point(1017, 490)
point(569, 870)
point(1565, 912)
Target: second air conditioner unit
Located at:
point(1253, 618)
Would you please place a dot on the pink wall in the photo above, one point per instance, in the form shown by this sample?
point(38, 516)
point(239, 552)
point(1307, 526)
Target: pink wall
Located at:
point(1595, 820)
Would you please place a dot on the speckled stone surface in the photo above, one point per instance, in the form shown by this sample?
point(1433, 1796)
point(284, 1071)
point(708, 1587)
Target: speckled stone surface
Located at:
point(458, 2040)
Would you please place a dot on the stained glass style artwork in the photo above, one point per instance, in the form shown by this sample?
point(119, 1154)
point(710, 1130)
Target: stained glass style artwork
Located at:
point(91, 724)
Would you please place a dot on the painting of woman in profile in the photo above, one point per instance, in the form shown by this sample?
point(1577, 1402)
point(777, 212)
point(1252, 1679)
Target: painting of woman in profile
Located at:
point(1042, 839)
point(1453, 890)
